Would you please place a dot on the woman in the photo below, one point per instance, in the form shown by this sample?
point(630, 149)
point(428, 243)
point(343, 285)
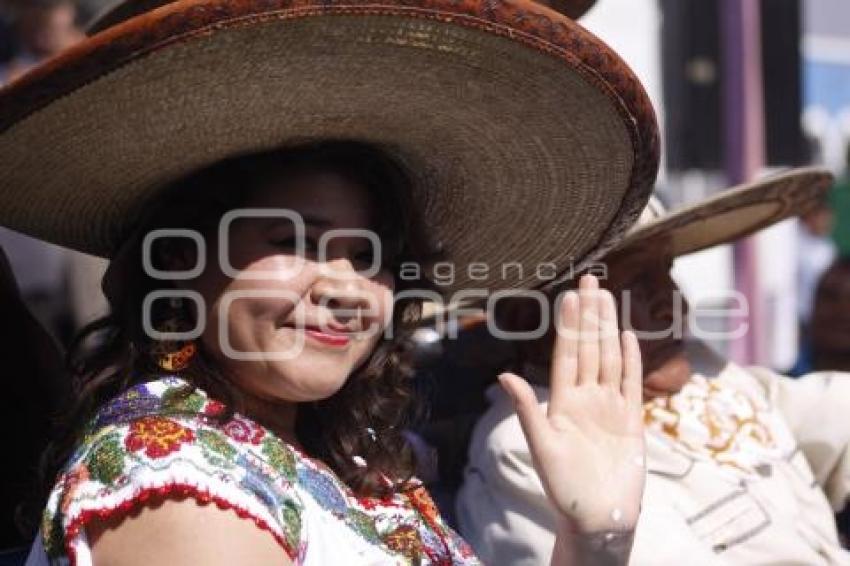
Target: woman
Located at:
point(284, 407)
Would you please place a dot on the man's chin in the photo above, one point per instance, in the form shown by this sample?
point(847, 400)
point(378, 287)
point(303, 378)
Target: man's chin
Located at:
point(669, 377)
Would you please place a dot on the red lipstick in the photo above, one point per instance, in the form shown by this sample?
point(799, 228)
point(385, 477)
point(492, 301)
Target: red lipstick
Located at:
point(334, 340)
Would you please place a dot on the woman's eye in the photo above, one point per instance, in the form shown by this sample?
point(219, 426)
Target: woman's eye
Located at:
point(288, 243)
point(292, 244)
point(365, 257)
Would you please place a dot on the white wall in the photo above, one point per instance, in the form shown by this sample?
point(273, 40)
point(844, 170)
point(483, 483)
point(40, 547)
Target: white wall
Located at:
point(633, 29)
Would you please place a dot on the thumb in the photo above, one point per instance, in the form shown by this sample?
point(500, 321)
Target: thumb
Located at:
point(531, 416)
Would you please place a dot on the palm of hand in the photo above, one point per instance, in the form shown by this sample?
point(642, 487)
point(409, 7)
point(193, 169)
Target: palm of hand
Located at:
point(588, 446)
point(591, 459)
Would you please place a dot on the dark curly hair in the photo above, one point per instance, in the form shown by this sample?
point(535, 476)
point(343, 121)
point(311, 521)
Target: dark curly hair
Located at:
point(376, 397)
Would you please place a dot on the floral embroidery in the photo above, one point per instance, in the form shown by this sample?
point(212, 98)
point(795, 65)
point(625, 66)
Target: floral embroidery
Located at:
point(214, 408)
point(280, 458)
point(157, 436)
point(183, 400)
point(325, 491)
point(216, 449)
point(242, 430)
point(405, 540)
point(74, 478)
point(421, 500)
point(433, 544)
point(105, 462)
point(255, 480)
point(714, 421)
point(51, 533)
point(436, 545)
point(291, 518)
point(364, 525)
point(239, 465)
point(135, 402)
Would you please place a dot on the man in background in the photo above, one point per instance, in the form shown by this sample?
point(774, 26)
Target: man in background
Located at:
point(42, 28)
point(744, 466)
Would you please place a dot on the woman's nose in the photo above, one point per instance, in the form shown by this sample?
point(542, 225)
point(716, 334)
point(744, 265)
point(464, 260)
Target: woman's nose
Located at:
point(338, 287)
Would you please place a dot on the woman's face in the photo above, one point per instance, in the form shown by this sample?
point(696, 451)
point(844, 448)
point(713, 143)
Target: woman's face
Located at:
point(293, 327)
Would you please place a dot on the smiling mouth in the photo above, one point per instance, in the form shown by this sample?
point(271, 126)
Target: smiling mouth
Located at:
point(332, 339)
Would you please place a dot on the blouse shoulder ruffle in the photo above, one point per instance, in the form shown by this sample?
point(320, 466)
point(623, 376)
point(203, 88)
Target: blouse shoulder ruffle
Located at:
point(161, 439)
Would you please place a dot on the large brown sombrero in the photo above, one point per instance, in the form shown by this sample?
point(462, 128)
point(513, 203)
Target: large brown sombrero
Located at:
point(732, 213)
point(121, 11)
point(527, 138)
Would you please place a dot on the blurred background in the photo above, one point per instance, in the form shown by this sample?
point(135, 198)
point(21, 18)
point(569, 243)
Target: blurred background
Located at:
point(742, 88)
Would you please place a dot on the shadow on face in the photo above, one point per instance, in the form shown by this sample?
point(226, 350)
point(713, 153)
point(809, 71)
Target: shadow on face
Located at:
point(649, 303)
point(652, 305)
point(293, 326)
point(301, 263)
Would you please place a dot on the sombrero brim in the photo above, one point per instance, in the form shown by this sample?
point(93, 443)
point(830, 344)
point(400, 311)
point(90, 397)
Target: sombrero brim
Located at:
point(121, 11)
point(529, 141)
point(736, 212)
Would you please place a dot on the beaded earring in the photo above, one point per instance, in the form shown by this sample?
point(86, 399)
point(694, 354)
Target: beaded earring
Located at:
point(174, 355)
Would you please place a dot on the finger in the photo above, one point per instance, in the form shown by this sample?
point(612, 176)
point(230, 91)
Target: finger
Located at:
point(610, 349)
point(564, 367)
point(588, 343)
point(531, 416)
point(632, 387)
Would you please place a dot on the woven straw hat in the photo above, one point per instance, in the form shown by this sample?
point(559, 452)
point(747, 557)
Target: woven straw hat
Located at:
point(121, 11)
point(527, 138)
point(731, 214)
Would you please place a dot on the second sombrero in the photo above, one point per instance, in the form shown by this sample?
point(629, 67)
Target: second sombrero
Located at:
point(735, 212)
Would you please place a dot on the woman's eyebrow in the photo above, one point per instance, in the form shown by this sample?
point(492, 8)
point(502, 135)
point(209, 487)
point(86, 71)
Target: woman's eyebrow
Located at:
point(316, 221)
point(307, 219)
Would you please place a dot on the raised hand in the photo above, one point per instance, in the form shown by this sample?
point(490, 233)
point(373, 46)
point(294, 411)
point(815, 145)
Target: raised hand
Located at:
point(588, 445)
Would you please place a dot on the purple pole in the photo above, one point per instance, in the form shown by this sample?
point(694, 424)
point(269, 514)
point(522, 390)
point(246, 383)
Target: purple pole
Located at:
point(744, 136)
